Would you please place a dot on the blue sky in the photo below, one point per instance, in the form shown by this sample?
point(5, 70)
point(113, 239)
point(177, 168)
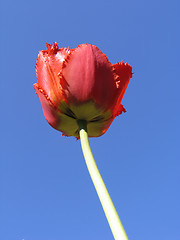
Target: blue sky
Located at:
point(45, 189)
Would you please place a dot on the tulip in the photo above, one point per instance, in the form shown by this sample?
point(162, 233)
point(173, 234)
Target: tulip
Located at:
point(81, 93)
point(80, 84)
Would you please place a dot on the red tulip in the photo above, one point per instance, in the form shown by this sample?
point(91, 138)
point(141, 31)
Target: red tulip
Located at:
point(80, 84)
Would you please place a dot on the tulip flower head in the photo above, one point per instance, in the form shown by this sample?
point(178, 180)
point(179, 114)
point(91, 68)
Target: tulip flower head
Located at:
point(80, 84)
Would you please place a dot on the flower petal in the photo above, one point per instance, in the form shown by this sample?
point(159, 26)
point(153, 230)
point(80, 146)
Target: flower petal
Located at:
point(88, 75)
point(49, 110)
point(58, 120)
point(124, 73)
point(49, 64)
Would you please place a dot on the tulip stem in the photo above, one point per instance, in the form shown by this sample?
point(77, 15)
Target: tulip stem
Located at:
point(105, 199)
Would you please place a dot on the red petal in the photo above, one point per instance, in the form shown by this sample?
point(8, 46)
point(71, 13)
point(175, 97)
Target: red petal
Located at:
point(49, 64)
point(60, 121)
point(49, 109)
point(88, 75)
point(123, 73)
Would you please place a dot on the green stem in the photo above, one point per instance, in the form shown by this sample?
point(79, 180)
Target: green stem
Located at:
point(105, 199)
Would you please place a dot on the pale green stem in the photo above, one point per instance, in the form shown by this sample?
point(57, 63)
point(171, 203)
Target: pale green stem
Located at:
point(105, 199)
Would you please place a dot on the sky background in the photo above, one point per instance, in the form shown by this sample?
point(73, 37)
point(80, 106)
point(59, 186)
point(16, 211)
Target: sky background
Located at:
point(45, 189)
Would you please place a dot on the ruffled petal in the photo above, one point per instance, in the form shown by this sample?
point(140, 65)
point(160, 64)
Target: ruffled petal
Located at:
point(87, 75)
point(61, 121)
point(123, 74)
point(49, 110)
point(49, 64)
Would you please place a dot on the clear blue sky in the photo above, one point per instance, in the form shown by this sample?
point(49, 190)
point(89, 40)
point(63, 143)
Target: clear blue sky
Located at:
point(45, 189)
